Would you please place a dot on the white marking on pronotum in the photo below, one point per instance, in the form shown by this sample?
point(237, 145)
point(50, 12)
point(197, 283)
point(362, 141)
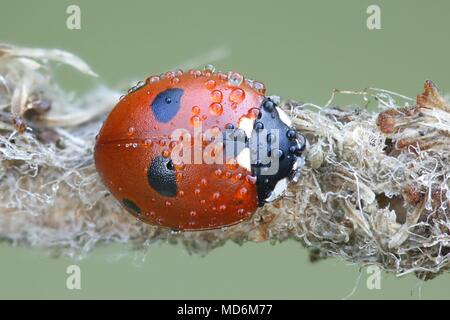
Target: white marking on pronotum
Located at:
point(279, 190)
point(284, 117)
point(243, 159)
point(246, 124)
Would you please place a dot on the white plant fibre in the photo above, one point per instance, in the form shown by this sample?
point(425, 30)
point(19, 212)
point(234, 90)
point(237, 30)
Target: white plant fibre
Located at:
point(374, 190)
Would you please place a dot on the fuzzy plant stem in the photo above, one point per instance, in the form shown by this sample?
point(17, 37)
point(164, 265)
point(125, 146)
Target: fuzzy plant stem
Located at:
point(374, 191)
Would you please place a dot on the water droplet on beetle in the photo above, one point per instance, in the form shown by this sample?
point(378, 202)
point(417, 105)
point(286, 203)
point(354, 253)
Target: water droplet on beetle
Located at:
point(237, 95)
point(232, 164)
point(216, 109)
point(196, 121)
point(209, 67)
point(222, 76)
point(153, 79)
point(238, 176)
point(169, 74)
point(250, 179)
point(218, 173)
point(259, 87)
point(196, 110)
point(210, 84)
point(243, 191)
point(166, 153)
point(216, 96)
point(235, 79)
point(241, 213)
point(197, 73)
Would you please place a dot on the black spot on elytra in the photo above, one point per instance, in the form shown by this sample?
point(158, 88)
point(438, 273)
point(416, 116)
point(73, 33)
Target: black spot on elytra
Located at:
point(161, 176)
point(166, 104)
point(132, 206)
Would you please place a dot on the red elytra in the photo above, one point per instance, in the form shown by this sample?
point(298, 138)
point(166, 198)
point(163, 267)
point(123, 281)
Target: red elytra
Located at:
point(132, 152)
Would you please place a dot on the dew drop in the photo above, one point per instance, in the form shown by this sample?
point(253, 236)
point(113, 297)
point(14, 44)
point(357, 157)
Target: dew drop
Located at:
point(196, 121)
point(209, 67)
point(173, 144)
point(193, 213)
point(237, 95)
point(196, 110)
point(181, 193)
point(153, 79)
point(197, 191)
point(216, 96)
point(259, 87)
point(218, 173)
point(222, 76)
point(203, 182)
point(250, 179)
point(234, 79)
point(132, 89)
point(197, 73)
point(169, 74)
point(241, 213)
point(216, 195)
point(216, 109)
point(180, 165)
point(232, 164)
point(166, 153)
point(253, 113)
point(210, 84)
point(130, 131)
point(207, 73)
point(175, 80)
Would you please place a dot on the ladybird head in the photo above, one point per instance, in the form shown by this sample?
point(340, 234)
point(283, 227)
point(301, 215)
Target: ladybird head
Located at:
point(276, 151)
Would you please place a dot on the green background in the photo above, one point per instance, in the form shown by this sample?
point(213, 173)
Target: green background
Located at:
point(299, 49)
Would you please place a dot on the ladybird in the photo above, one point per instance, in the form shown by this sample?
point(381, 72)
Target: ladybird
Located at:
point(197, 150)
